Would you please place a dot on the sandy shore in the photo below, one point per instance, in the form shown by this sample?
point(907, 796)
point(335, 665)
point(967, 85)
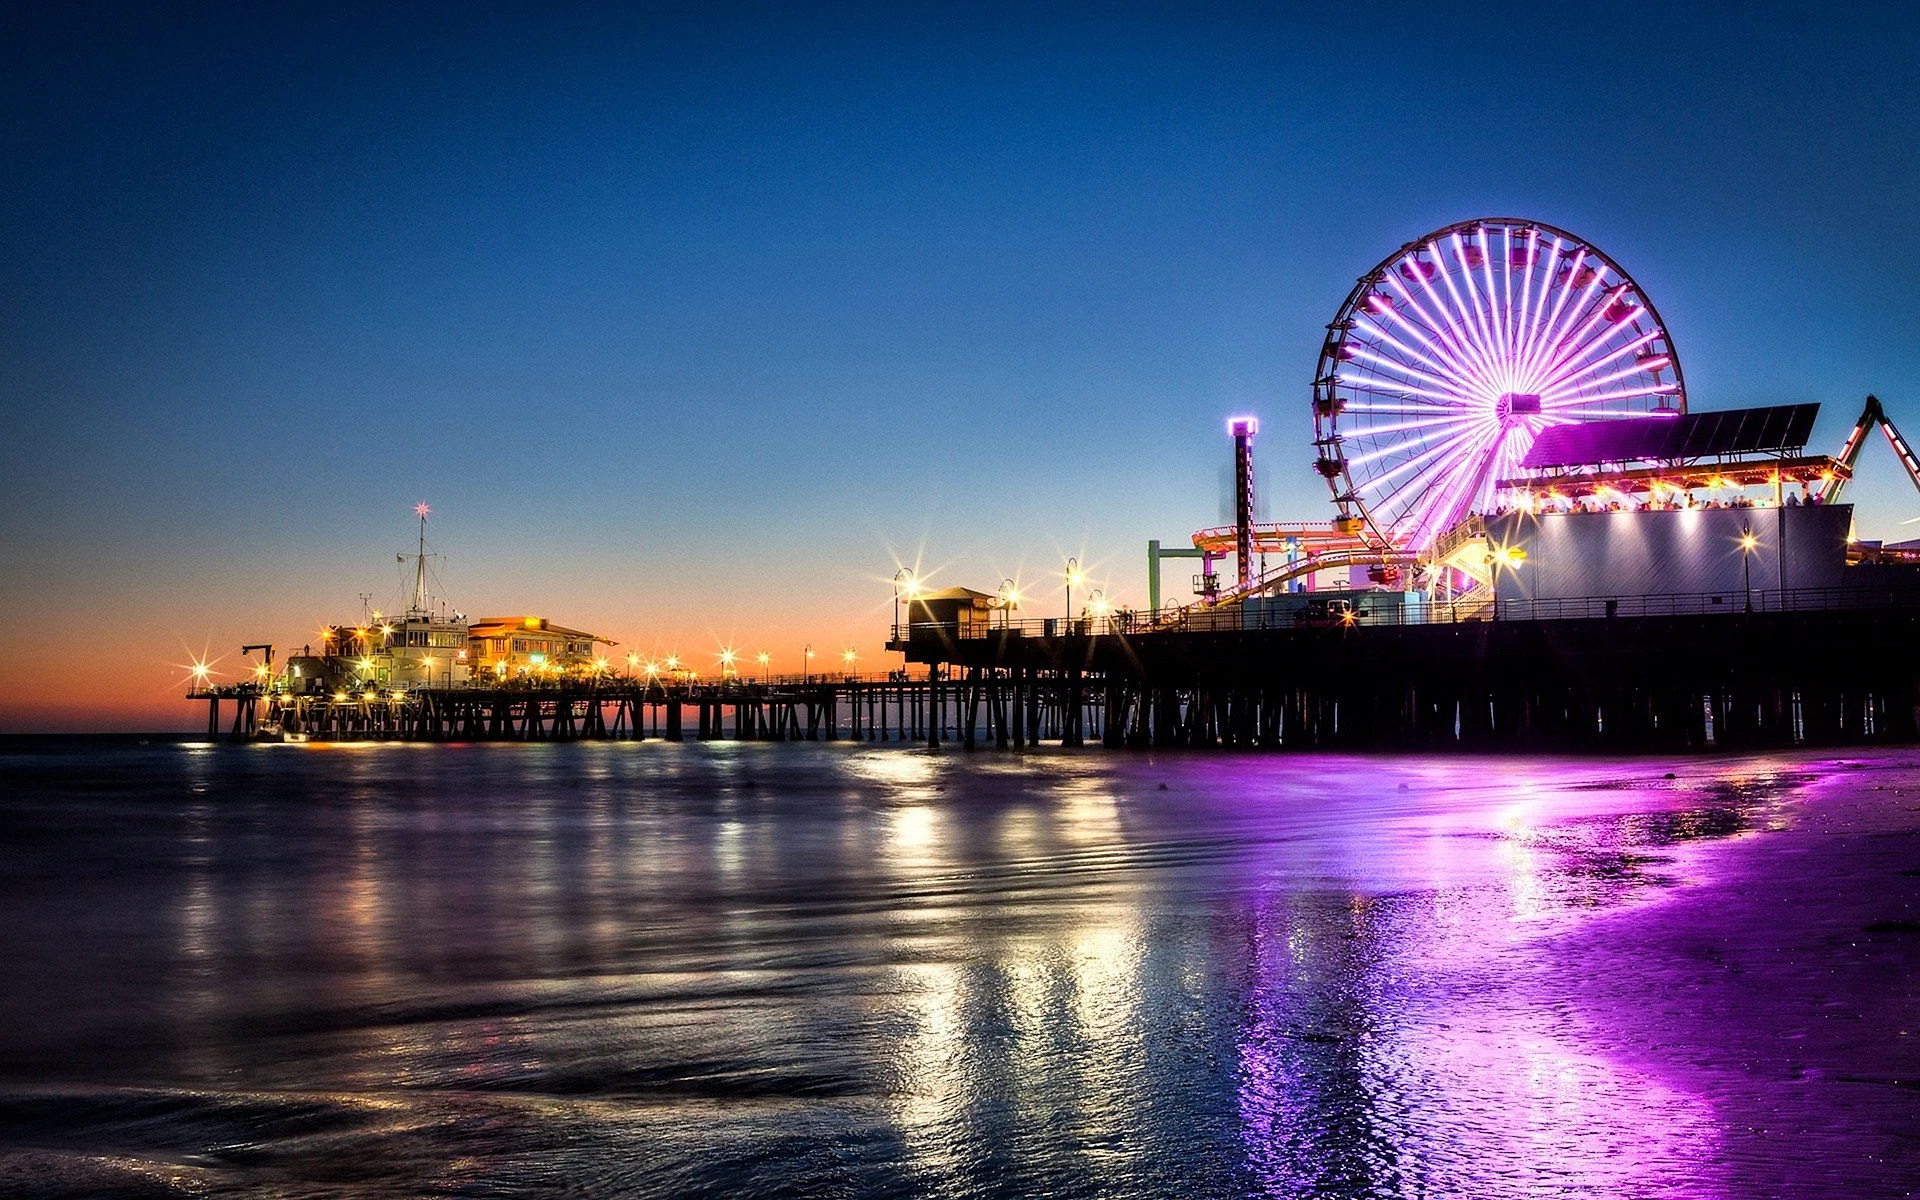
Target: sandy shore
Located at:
point(1781, 985)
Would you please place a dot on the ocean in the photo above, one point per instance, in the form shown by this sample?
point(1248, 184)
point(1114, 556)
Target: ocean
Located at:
point(839, 969)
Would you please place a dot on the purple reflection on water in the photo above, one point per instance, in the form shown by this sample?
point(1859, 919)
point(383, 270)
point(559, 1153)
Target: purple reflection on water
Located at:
point(770, 970)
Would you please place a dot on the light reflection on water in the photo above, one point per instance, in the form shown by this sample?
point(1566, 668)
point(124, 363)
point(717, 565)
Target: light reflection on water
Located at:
point(788, 969)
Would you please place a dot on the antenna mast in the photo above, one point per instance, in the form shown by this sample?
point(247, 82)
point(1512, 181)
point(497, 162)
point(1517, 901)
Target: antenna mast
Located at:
point(420, 564)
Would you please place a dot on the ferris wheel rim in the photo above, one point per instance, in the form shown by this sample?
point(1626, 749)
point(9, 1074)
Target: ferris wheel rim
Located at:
point(1570, 247)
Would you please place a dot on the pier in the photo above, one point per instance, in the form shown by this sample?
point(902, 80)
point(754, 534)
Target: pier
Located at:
point(1570, 680)
point(1554, 554)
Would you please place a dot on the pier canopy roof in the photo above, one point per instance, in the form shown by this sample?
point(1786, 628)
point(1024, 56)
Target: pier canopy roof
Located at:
point(536, 626)
point(1780, 429)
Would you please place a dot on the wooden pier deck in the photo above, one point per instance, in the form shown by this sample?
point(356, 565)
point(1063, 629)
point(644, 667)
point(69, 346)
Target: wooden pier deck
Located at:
point(1622, 683)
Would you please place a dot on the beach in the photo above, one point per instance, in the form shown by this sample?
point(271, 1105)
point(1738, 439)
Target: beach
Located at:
point(771, 970)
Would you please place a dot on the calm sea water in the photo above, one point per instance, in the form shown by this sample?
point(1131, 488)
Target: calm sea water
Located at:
point(767, 970)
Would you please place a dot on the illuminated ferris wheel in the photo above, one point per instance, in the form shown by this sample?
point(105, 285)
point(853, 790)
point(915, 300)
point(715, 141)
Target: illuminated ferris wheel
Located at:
point(1451, 356)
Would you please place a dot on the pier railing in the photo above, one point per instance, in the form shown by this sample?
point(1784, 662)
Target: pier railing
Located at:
point(1375, 609)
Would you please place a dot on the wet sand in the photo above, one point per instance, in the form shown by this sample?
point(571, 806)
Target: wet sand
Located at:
point(773, 971)
point(1784, 984)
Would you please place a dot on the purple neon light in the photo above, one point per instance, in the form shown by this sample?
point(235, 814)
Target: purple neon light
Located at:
point(1436, 337)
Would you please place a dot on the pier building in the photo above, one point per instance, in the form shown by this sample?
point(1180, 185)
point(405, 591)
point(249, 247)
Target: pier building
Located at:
point(530, 646)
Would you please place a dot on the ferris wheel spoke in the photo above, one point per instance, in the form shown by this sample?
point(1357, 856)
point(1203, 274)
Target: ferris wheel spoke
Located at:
point(1539, 302)
point(1425, 456)
point(1435, 490)
point(1481, 355)
point(1509, 332)
point(1438, 372)
point(1486, 294)
point(1399, 446)
point(1369, 399)
point(1486, 299)
point(1445, 387)
point(1469, 453)
point(1572, 299)
point(1380, 332)
point(1403, 426)
point(1452, 365)
point(1470, 308)
point(1446, 491)
point(1401, 472)
point(1576, 414)
point(1544, 345)
point(1576, 342)
point(1481, 309)
point(1591, 359)
point(1423, 403)
point(1664, 389)
point(1458, 341)
point(1449, 346)
point(1496, 308)
point(1571, 388)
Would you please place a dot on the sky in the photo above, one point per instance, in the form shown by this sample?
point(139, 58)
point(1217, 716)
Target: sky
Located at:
point(694, 322)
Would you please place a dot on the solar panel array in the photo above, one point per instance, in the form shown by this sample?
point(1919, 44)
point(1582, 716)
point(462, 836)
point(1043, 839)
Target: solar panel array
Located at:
point(1784, 427)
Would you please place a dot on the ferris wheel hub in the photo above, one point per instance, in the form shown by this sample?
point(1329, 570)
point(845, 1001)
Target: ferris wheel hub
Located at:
point(1513, 405)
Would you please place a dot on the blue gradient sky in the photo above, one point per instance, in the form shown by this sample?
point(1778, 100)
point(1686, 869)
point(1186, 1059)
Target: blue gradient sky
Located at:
point(690, 322)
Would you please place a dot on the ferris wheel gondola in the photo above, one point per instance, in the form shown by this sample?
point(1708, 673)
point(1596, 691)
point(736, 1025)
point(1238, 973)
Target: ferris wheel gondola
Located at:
point(1450, 357)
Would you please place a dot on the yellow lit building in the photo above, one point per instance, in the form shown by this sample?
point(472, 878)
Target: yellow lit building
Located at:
point(519, 647)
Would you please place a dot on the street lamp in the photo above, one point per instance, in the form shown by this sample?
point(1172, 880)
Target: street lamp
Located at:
point(903, 580)
point(1073, 576)
point(846, 657)
point(806, 667)
point(726, 662)
point(1747, 544)
point(1502, 556)
point(1099, 604)
point(764, 657)
point(1009, 600)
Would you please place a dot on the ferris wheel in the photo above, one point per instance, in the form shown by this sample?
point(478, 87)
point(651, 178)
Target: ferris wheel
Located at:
point(1450, 357)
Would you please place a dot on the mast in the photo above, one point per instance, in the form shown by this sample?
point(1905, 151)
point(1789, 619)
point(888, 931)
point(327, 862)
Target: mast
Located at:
point(420, 564)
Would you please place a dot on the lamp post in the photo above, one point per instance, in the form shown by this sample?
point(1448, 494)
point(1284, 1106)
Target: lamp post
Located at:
point(902, 581)
point(806, 668)
point(1009, 600)
point(1099, 606)
point(1073, 576)
point(1747, 544)
point(846, 658)
point(1502, 556)
point(764, 657)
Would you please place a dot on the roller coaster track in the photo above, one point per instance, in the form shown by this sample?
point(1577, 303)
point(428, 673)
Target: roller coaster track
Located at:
point(1324, 560)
